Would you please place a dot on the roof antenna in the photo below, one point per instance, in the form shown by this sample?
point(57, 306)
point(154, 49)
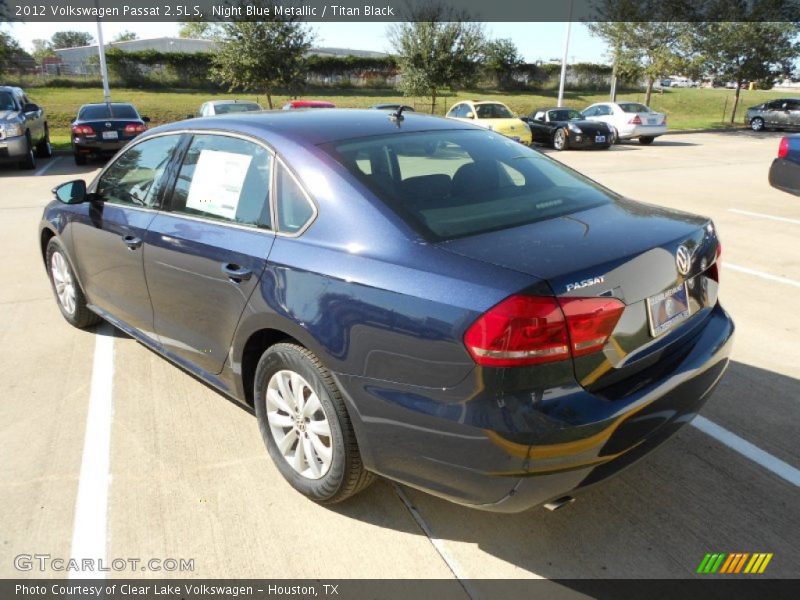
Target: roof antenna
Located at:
point(398, 114)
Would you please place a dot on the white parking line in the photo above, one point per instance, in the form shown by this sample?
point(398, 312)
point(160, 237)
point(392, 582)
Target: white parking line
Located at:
point(89, 532)
point(748, 450)
point(747, 213)
point(762, 274)
point(45, 168)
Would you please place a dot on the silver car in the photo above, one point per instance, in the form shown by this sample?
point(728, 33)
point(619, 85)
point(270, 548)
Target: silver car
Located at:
point(24, 134)
point(775, 114)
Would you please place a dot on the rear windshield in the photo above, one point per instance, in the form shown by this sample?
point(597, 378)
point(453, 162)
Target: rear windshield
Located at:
point(108, 111)
point(633, 107)
point(221, 109)
point(450, 184)
point(493, 111)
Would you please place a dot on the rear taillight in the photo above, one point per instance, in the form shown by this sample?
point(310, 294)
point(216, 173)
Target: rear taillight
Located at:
point(783, 148)
point(713, 270)
point(529, 330)
point(635, 120)
point(134, 128)
point(83, 129)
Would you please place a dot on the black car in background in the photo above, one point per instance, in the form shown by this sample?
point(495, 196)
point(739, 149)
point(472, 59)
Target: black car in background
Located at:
point(104, 128)
point(784, 174)
point(564, 128)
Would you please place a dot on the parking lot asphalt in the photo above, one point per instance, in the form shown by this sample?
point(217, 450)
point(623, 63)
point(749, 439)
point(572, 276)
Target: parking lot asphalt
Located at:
point(188, 476)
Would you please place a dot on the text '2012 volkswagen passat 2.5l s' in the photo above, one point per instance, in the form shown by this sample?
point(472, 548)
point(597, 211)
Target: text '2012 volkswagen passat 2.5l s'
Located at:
point(401, 295)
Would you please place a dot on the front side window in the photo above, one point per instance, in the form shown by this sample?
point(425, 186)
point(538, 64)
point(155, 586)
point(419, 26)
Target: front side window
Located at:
point(136, 177)
point(450, 184)
point(7, 101)
point(224, 178)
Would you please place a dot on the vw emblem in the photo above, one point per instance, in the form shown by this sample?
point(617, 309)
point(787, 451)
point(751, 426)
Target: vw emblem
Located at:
point(683, 260)
point(108, 123)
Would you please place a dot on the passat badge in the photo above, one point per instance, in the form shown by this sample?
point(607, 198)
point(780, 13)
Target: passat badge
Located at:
point(683, 260)
point(585, 283)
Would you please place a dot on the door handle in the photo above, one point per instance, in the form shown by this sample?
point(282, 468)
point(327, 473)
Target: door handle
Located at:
point(236, 273)
point(131, 241)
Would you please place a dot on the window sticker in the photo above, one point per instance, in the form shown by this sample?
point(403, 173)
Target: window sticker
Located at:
point(217, 183)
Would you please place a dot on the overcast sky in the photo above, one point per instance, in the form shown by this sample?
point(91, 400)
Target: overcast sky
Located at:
point(536, 41)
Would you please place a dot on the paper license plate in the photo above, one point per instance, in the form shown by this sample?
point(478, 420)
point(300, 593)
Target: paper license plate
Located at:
point(600, 139)
point(667, 309)
point(110, 135)
point(651, 121)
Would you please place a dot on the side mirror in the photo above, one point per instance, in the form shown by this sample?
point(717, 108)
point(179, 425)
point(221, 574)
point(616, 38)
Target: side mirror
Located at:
point(72, 192)
point(146, 119)
point(30, 107)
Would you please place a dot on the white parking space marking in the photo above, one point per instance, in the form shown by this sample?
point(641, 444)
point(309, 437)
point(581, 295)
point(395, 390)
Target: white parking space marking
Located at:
point(45, 168)
point(762, 274)
point(756, 215)
point(437, 543)
point(748, 450)
point(89, 532)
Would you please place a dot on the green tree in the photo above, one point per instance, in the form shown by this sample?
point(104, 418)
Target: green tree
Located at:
point(743, 52)
point(262, 56)
point(10, 52)
point(70, 39)
point(126, 36)
point(437, 49)
point(199, 30)
point(41, 50)
point(503, 60)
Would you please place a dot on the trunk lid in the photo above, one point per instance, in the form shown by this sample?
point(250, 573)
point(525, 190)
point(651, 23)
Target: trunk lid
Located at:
point(623, 249)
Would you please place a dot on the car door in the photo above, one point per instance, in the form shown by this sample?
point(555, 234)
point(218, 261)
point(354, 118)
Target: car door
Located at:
point(792, 114)
point(539, 129)
point(109, 236)
point(773, 113)
point(209, 247)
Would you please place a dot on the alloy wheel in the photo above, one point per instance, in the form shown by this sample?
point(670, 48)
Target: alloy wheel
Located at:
point(757, 124)
point(298, 424)
point(63, 282)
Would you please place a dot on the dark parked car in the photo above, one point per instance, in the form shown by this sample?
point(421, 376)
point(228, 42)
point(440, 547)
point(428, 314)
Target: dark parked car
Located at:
point(784, 174)
point(24, 133)
point(390, 106)
point(480, 322)
point(104, 128)
point(564, 128)
point(775, 114)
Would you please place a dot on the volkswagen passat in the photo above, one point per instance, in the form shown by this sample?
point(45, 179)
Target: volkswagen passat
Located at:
point(408, 296)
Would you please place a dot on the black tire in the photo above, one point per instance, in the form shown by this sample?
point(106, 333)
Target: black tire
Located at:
point(560, 140)
point(613, 137)
point(81, 317)
point(80, 159)
point(757, 124)
point(29, 162)
point(43, 148)
point(346, 475)
point(646, 140)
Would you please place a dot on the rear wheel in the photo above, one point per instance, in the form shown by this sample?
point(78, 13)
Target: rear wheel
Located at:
point(306, 427)
point(560, 141)
point(29, 162)
point(646, 140)
point(757, 124)
point(43, 148)
point(66, 288)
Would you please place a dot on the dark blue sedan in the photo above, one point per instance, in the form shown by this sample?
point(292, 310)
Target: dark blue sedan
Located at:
point(784, 173)
point(401, 295)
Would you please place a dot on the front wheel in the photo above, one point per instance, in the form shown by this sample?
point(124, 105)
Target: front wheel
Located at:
point(646, 140)
point(66, 288)
point(29, 162)
point(757, 124)
point(305, 425)
point(560, 140)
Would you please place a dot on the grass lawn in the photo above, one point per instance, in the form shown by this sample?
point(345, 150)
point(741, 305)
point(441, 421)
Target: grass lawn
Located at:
point(687, 108)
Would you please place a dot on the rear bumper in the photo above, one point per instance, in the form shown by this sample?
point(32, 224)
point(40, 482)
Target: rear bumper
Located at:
point(635, 131)
point(785, 175)
point(13, 149)
point(510, 453)
point(89, 146)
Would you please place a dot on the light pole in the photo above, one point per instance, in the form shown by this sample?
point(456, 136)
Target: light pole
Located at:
point(102, 51)
point(563, 79)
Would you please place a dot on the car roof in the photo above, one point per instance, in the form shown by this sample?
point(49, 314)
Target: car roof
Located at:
point(106, 103)
point(313, 127)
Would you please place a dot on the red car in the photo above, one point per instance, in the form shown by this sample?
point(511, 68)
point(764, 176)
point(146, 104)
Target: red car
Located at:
point(292, 104)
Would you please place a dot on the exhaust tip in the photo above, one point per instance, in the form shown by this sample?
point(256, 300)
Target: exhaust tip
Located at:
point(559, 503)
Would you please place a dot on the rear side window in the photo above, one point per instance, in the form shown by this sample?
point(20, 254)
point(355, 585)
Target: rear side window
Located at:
point(224, 178)
point(294, 208)
point(136, 177)
point(455, 183)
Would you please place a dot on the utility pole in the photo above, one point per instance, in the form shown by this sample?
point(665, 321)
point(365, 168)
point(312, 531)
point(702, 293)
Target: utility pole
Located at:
point(102, 51)
point(563, 79)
